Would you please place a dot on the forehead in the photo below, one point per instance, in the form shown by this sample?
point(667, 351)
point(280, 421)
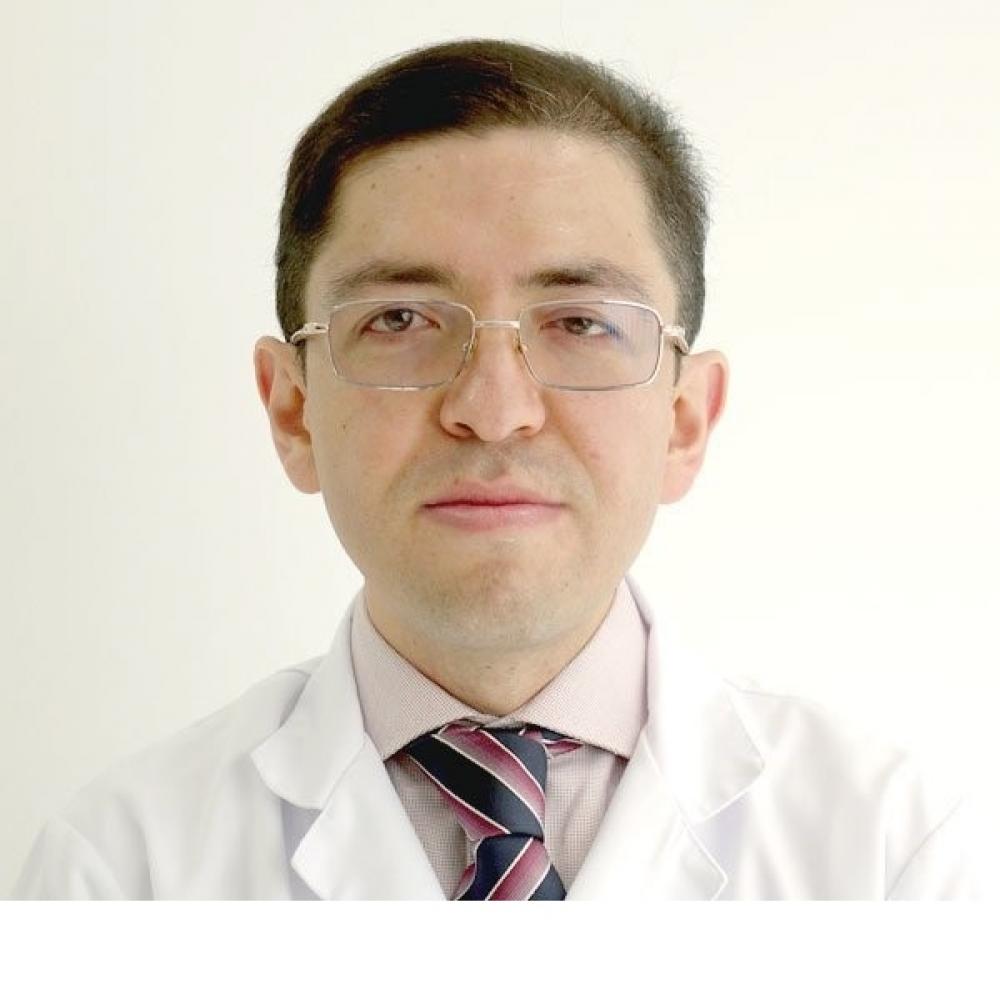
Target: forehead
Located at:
point(488, 207)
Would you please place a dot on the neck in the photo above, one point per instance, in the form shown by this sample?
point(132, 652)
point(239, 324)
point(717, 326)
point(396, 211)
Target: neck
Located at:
point(495, 681)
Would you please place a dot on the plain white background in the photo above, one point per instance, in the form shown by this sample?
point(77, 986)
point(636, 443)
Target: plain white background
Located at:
point(841, 542)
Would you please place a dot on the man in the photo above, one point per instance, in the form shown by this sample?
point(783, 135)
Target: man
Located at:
point(490, 278)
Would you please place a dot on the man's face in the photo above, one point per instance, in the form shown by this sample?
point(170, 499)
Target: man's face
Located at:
point(494, 210)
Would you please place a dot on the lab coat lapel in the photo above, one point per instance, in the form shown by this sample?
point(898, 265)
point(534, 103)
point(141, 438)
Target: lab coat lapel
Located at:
point(694, 757)
point(643, 848)
point(362, 844)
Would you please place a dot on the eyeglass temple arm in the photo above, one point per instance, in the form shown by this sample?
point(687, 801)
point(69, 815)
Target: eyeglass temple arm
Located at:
point(307, 330)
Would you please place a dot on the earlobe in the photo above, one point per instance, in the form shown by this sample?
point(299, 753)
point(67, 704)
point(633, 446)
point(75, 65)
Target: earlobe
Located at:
point(282, 393)
point(699, 401)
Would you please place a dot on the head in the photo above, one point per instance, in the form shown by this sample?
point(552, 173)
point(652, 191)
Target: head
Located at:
point(470, 87)
point(494, 171)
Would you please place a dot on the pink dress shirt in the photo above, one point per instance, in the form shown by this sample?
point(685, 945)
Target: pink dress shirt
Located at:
point(599, 697)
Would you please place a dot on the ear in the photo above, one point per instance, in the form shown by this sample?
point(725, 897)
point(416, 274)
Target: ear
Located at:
point(283, 393)
point(699, 399)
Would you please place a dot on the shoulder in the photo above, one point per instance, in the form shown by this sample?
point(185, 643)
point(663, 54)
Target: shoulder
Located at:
point(818, 761)
point(172, 781)
point(203, 750)
point(790, 728)
point(120, 832)
point(781, 721)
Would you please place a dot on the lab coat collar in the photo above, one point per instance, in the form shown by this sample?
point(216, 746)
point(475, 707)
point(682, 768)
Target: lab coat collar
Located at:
point(693, 758)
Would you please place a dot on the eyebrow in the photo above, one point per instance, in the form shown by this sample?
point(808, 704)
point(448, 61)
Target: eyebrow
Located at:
point(590, 272)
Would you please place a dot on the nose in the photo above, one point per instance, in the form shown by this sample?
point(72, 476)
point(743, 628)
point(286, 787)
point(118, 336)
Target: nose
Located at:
point(494, 395)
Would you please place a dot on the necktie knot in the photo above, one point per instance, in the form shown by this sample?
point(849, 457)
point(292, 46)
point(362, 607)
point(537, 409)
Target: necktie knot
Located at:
point(494, 780)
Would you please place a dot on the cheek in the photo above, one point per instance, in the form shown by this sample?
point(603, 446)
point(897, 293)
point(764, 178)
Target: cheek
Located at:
point(625, 457)
point(340, 445)
point(361, 450)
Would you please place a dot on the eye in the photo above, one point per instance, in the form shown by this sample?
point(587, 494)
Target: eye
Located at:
point(582, 325)
point(397, 319)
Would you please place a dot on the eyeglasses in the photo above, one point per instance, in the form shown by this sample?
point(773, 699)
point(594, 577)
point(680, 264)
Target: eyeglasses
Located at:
point(591, 345)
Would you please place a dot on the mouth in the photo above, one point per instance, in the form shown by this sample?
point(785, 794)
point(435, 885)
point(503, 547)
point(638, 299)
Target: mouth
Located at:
point(479, 515)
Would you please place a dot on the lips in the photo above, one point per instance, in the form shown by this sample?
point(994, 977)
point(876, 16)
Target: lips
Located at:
point(482, 503)
point(485, 517)
point(471, 494)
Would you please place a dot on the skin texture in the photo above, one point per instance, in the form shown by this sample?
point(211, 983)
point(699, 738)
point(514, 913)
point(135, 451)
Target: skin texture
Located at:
point(491, 617)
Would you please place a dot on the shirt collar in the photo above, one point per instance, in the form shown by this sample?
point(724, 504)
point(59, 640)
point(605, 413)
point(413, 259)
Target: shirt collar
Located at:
point(599, 697)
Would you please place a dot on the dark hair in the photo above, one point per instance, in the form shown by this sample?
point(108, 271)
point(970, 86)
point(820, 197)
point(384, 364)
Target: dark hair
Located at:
point(471, 86)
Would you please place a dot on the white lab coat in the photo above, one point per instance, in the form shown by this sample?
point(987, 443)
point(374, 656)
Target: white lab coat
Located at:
point(732, 793)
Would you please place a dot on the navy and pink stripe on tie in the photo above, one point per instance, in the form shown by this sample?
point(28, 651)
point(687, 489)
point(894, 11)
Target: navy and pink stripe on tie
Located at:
point(495, 779)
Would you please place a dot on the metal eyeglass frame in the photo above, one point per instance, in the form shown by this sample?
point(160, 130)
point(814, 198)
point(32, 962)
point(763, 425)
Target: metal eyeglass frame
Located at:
point(675, 335)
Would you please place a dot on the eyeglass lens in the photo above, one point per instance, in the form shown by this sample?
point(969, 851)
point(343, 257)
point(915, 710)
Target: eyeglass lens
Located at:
point(586, 345)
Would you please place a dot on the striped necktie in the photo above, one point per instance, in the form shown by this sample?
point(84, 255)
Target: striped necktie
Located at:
point(494, 779)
